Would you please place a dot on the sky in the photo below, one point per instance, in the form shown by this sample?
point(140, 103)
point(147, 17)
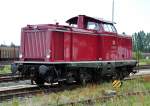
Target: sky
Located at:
point(130, 15)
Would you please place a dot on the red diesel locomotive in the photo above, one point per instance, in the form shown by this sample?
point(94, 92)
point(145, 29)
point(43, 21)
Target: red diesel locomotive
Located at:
point(88, 49)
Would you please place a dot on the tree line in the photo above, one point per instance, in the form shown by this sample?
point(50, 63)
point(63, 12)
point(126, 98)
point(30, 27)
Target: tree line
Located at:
point(141, 42)
point(11, 45)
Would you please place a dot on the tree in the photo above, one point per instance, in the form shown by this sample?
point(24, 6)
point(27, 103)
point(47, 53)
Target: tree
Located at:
point(141, 41)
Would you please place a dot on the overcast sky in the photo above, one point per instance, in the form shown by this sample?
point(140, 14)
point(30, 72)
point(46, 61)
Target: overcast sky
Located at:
point(130, 15)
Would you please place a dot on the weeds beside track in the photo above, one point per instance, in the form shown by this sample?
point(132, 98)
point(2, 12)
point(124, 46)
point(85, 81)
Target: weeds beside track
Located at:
point(105, 98)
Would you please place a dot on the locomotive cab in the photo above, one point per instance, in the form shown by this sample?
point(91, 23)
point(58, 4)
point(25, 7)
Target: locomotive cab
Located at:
point(89, 23)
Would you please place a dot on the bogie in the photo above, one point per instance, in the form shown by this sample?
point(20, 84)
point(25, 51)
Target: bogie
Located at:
point(64, 74)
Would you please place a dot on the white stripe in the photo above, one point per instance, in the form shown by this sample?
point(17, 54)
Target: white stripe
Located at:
point(84, 32)
point(90, 33)
point(42, 62)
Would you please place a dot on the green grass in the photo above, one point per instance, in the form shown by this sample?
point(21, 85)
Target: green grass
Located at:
point(6, 69)
point(127, 101)
point(144, 62)
point(90, 91)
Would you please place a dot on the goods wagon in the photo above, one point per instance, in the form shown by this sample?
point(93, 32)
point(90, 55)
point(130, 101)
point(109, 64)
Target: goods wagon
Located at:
point(88, 49)
point(9, 53)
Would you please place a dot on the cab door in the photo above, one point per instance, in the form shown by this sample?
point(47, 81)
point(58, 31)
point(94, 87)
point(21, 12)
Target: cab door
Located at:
point(109, 42)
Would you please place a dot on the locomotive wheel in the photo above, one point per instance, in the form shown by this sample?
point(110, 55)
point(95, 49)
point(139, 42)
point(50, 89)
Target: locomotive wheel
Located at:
point(126, 74)
point(39, 82)
point(117, 76)
point(83, 82)
point(61, 83)
point(84, 78)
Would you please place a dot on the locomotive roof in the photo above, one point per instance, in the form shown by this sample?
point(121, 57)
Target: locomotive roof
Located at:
point(74, 20)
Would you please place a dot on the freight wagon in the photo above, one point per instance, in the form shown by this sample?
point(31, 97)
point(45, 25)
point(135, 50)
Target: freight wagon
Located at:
point(8, 53)
point(88, 49)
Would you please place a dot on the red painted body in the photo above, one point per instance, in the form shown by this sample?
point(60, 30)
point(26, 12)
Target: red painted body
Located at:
point(53, 43)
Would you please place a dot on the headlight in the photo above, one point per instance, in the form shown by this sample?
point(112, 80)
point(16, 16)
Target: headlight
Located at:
point(48, 54)
point(20, 55)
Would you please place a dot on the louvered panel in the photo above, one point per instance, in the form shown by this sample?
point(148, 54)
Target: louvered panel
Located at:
point(35, 45)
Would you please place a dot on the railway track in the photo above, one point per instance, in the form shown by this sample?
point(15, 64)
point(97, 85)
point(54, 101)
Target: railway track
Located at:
point(136, 76)
point(2, 63)
point(8, 74)
point(10, 78)
point(7, 93)
point(142, 67)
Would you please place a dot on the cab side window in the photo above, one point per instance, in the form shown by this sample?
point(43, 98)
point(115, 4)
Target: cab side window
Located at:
point(109, 28)
point(93, 26)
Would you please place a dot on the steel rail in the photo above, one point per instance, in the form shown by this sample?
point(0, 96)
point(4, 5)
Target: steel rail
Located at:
point(33, 90)
point(11, 78)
